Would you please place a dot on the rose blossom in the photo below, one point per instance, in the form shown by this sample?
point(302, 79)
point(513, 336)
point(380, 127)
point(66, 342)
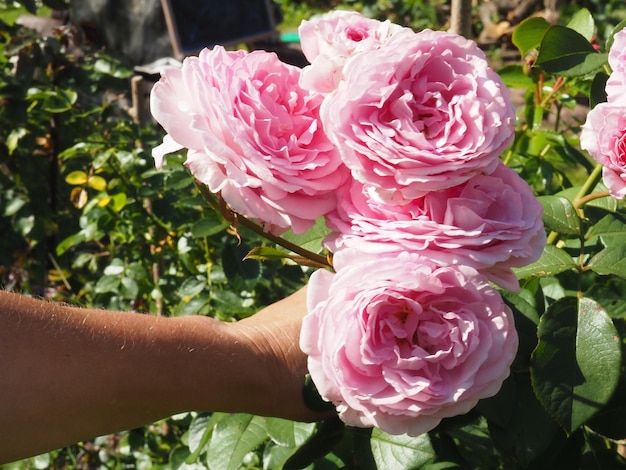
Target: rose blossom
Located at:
point(253, 135)
point(604, 137)
point(329, 40)
point(616, 84)
point(421, 113)
point(491, 223)
point(406, 344)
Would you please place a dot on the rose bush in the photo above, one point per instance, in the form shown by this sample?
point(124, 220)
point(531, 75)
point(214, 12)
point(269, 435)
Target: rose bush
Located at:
point(329, 40)
point(408, 344)
point(252, 134)
point(423, 112)
point(491, 223)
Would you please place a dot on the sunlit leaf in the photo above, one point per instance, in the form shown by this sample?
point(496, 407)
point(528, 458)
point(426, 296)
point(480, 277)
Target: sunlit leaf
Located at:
point(576, 365)
point(288, 433)
point(25, 225)
point(13, 140)
point(13, 206)
point(108, 283)
point(560, 215)
point(76, 178)
point(97, 182)
point(401, 451)
point(553, 261)
point(311, 239)
point(582, 22)
point(611, 229)
point(527, 36)
point(565, 52)
point(611, 260)
point(232, 439)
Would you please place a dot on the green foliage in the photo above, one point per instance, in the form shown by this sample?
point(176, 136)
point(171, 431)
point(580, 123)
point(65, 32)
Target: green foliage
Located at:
point(86, 218)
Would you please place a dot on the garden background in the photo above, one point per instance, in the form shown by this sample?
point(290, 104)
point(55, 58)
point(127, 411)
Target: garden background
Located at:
point(85, 218)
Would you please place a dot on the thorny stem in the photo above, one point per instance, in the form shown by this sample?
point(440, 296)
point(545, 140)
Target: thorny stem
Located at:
point(237, 219)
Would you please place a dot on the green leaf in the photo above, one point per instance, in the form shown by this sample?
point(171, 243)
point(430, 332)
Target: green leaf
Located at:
point(526, 320)
point(611, 229)
point(582, 22)
point(565, 52)
point(597, 94)
point(611, 420)
point(200, 431)
point(107, 284)
point(610, 294)
point(53, 101)
point(576, 365)
point(232, 439)
point(527, 36)
point(118, 201)
point(553, 261)
point(288, 433)
point(559, 215)
point(311, 239)
point(129, 288)
point(13, 139)
point(401, 451)
point(13, 206)
point(267, 253)
point(530, 430)
point(513, 76)
point(611, 260)
point(208, 227)
point(191, 287)
point(327, 435)
point(69, 242)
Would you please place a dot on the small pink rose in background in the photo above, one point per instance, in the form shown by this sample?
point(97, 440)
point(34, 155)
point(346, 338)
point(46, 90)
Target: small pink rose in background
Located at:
point(421, 113)
point(604, 137)
point(406, 344)
point(253, 135)
point(330, 39)
point(616, 84)
point(490, 222)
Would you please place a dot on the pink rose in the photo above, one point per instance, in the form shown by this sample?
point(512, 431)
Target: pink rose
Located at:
point(407, 344)
point(329, 40)
point(421, 113)
point(616, 84)
point(491, 223)
point(604, 137)
point(253, 135)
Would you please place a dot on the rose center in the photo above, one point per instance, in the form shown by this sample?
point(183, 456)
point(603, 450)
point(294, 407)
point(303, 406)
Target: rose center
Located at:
point(355, 34)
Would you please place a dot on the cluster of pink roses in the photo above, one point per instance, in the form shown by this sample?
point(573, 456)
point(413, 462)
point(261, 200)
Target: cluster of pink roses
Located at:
point(394, 137)
point(604, 133)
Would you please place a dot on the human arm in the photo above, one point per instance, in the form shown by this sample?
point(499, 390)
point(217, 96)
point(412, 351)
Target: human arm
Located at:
point(68, 374)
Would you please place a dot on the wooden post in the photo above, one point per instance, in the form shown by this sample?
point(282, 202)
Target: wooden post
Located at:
point(461, 17)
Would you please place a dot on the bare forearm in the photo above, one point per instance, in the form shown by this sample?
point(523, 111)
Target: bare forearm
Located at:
point(70, 374)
